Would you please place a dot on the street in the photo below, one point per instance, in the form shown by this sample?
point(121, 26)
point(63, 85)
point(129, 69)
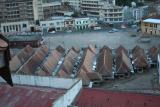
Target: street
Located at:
point(99, 38)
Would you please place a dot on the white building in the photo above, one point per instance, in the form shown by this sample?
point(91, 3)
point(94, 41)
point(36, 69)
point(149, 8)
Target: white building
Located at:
point(159, 67)
point(84, 23)
point(15, 26)
point(140, 12)
point(60, 23)
point(105, 11)
point(57, 23)
point(112, 13)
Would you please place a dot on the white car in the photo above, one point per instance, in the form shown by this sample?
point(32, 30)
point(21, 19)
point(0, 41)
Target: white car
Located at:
point(69, 31)
point(52, 32)
point(111, 31)
point(115, 30)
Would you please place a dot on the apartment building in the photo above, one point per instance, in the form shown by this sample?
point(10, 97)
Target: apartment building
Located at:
point(20, 10)
point(91, 8)
point(103, 10)
point(112, 14)
point(151, 26)
point(75, 4)
point(140, 12)
point(49, 9)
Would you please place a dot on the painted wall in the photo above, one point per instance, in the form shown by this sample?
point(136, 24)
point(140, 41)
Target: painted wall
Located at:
point(159, 67)
point(54, 82)
point(69, 96)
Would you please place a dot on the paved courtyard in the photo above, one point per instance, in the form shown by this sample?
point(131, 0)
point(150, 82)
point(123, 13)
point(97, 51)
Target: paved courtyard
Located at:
point(99, 38)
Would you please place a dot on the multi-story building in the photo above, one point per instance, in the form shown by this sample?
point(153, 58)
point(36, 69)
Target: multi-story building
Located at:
point(140, 12)
point(49, 9)
point(75, 4)
point(91, 8)
point(112, 14)
point(105, 11)
point(20, 10)
point(151, 26)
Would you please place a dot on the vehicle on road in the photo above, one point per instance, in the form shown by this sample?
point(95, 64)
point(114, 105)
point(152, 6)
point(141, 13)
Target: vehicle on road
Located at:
point(69, 31)
point(111, 31)
point(115, 30)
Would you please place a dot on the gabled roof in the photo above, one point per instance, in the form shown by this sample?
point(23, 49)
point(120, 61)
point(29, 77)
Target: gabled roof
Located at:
point(123, 63)
point(19, 59)
point(60, 49)
point(104, 61)
point(153, 53)
point(139, 57)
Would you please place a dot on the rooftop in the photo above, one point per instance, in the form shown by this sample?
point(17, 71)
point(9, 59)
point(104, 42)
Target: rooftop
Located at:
point(27, 96)
point(23, 37)
point(102, 98)
point(150, 20)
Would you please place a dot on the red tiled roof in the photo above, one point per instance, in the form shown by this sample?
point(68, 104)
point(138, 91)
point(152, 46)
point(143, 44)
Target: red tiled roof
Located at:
point(3, 44)
point(102, 98)
point(26, 96)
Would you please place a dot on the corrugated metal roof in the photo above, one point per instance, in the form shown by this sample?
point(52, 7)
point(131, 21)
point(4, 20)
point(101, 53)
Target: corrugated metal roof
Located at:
point(102, 98)
point(27, 96)
point(68, 63)
point(19, 59)
point(153, 53)
point(104, 62)
point(139, 57)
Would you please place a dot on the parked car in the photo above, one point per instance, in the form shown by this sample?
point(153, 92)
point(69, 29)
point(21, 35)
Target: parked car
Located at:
point(115, 30)
point(69, 31)
point(111, 31)
point(52, 32)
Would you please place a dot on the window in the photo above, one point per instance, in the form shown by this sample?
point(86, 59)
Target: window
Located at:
point(145, 24)
point(155, 25)
point(151, 25)
point(43, 24)
point(24, 25)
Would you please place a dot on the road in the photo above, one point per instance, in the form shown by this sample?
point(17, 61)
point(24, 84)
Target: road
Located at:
point(99, 38)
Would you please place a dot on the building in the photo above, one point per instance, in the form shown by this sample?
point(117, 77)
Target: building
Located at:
point(105, 11)
point(15, 26)
point(75, 4)
point(68, 23)
point(20, 41)
point(159, 67)
point(139, 13)
point(50, 8)
point(112, 14)
point(20, 10)
point(39, 91)
point(102, 98)
point(57, 23)
point(151, 26)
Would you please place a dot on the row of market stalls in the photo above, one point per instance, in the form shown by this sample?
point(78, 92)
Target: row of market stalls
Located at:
point(92, 65)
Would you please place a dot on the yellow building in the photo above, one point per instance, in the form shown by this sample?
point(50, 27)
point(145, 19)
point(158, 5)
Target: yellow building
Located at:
point(151, 26)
